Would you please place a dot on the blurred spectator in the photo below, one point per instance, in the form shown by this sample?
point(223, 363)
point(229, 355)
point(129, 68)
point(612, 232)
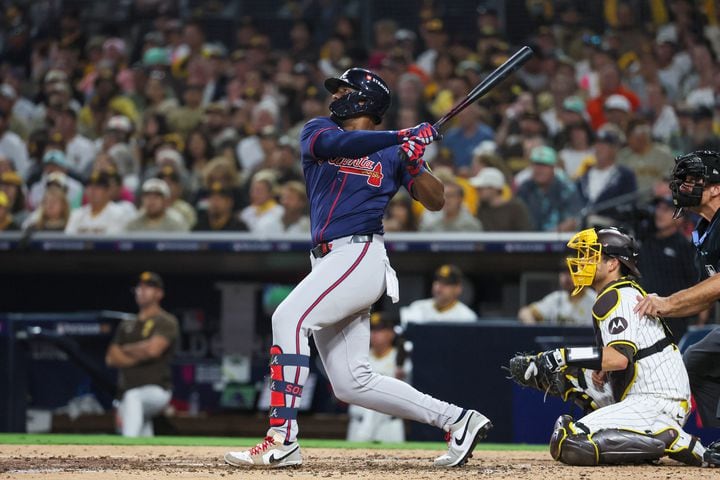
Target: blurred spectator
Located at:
point(116, 142)
point(284, 161)
point(650, 161)
point(662, 114)
point(52, 214)
point(454, 216)
point(445, 304)
point(462, 139)
point(609, 78)
point(154, 215)
point(55, 161)
point(198, 152)
point(294, 218)
point(8, 97)
point(618, 111)
point(698, 87)
point(605, 181)
point(100, 215)
point(170, 173)
point(80, 150)
point(399, 216)
point(224, 171)
point(561, 307)
point(262, 200)
point(702, 133)
point(105, 102)
point(496, 212)
point(576, 152)
point(184, 118)
point(142, 349)
point(666, 260)
point(12, 186)
point(159, 98)
point(673, 63)
point(119, 194)
point(385, 359)
point(250, 151)
point(7, 222)
point(552, 201)
point(219, 214)
point(435, 38)
point(13, 147)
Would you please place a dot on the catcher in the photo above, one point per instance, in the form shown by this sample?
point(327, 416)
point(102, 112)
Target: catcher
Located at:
point(633, 381)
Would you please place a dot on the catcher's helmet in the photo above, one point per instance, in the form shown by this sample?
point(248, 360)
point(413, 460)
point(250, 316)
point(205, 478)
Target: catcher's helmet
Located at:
point(692, 173)
point(591, 244)
point(371, 96)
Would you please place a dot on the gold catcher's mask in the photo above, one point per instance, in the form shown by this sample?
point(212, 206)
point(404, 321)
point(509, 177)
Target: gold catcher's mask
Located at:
point(590, 245)
point(584, 264)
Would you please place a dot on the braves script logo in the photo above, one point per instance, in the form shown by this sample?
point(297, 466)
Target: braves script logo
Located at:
point(617, 325)
point(361, 166)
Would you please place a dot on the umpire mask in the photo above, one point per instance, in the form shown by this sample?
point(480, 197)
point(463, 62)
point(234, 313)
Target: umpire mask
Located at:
point(584, 265)
point(691, 174)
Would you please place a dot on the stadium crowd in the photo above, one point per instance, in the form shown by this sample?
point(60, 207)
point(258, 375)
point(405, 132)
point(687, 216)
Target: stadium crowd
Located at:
point(158, 128)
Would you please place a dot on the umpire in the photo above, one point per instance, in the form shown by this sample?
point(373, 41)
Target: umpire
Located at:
point(695, 185)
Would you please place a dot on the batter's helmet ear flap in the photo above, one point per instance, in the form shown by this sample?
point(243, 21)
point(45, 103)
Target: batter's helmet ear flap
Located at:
point(588, 255)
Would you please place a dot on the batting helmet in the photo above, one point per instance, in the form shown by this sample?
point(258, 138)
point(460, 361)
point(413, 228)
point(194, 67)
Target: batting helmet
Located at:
point(371, 96)
point(696, 170)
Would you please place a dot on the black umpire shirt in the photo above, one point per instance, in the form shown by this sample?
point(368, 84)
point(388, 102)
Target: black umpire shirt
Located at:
point(706, 238)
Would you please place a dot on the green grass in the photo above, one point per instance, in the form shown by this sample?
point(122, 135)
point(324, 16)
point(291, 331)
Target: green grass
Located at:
point(73, 439)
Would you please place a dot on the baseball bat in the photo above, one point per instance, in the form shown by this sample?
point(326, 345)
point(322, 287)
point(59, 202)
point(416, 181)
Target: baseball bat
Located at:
point(488, 83)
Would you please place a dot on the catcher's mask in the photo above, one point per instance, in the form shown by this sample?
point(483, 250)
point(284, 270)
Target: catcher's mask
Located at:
point(590, 245)
point(691, 174)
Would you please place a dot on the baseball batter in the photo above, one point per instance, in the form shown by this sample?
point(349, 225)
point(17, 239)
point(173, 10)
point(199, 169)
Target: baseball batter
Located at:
point(351, 173)
point(635, 360)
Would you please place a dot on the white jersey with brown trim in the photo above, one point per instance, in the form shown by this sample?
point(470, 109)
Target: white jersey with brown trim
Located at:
point(661, 374)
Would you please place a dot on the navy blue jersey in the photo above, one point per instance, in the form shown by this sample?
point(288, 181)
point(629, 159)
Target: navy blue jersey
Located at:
point(350, 177)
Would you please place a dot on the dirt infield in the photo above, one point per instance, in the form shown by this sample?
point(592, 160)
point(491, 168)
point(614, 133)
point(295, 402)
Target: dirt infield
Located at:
point(83, 462)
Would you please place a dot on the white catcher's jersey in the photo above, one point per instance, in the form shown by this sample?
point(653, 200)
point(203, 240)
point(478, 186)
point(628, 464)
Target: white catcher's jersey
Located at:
point(661, 374)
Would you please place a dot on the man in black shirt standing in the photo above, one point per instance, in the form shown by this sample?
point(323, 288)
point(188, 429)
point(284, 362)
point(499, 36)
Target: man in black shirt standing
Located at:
point(220, 215)
point(667, 260)
point(695, 185)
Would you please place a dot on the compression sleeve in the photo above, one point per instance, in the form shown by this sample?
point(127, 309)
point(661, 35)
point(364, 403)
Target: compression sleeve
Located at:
point(331, 143)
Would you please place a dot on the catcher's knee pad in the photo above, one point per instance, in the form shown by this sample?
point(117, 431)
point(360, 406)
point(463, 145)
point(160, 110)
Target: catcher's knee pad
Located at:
point(281, 390)
point(570, 445)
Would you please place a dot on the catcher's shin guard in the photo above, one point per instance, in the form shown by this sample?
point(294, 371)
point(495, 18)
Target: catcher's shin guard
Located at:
point(572, 445)
point(284, 395)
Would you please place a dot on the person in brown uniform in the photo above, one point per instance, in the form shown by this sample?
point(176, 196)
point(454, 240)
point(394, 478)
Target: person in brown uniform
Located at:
point(142, 350)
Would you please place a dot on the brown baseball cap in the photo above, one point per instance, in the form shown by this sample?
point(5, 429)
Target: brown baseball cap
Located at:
point(448, 274)
point(152, 279)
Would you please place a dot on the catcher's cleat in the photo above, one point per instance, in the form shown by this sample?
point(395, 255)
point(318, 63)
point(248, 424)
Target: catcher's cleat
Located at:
point(462, 438)
point(712, 454)
point(271, 453)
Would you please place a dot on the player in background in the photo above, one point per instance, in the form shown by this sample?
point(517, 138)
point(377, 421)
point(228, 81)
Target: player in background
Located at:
point(634, 360)
point(352, 172)
point(695, 185)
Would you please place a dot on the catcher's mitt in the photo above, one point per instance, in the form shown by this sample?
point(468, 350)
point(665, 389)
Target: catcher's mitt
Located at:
point(527, 371)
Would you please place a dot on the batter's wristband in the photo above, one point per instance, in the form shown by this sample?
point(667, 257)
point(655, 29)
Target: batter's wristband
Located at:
point(584, 357)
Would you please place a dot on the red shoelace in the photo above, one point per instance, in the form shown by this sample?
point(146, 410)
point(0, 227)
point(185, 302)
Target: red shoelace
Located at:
point(448, 437)
point(261, 447)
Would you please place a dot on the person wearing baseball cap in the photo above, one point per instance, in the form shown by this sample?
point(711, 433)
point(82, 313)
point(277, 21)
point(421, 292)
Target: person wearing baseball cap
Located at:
point(219, 215)
point(7, 223)
point(551, 199)
point(55, 161)
point(154, 215)
point(389, 359)
point(496, 212)
point(100, 215)
point(175, 178)
point(606, 180)
point(618, 111)
point(445, 304)
point(142, 350)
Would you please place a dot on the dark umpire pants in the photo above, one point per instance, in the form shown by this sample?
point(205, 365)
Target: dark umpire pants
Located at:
point(702, 361)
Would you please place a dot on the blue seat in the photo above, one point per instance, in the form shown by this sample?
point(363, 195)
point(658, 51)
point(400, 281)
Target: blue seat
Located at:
point(694, 334)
